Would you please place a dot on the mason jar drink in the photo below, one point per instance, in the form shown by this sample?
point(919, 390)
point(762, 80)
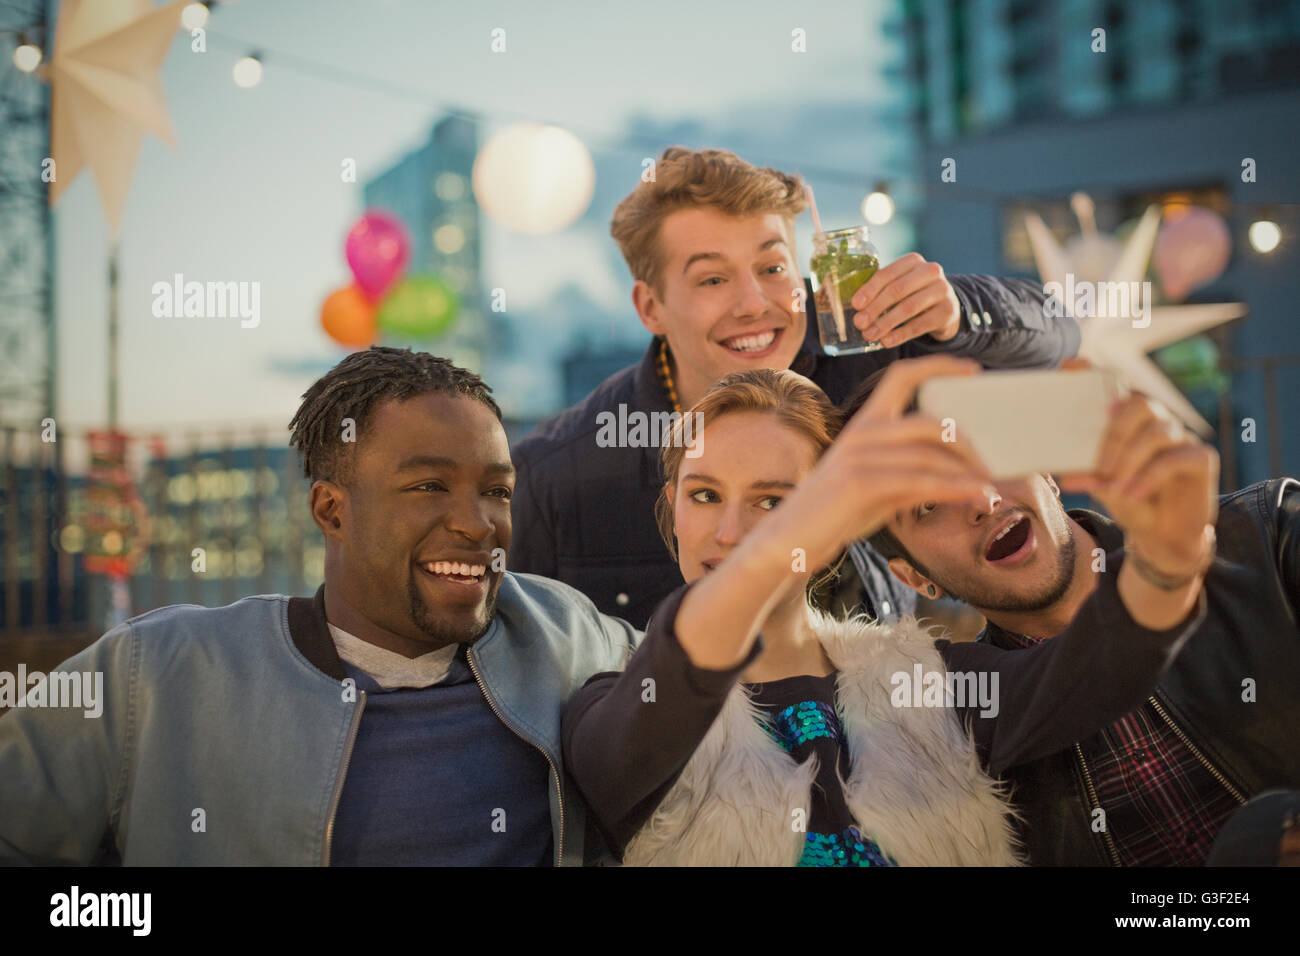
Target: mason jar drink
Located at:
point(842, 261)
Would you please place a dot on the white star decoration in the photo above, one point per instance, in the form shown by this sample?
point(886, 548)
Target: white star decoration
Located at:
point(1121, 342)
point(106, 92)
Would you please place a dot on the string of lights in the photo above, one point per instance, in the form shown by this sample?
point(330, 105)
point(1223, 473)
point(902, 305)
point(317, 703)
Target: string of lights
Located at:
point(877, 207)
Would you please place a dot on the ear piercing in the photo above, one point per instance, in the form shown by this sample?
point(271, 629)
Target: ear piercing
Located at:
point(930, 590)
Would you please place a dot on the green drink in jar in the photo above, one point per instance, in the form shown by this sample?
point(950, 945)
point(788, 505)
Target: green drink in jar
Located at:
point(843, 260)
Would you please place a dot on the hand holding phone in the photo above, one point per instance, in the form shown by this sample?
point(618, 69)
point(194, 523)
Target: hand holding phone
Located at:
point(1023, 423)
point(1160, 483)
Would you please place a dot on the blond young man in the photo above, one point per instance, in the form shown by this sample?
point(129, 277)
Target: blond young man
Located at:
point(710, 245)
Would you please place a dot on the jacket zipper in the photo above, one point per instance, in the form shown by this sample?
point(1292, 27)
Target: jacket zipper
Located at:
point(1236, 794)
point(343, 772)
point(1195, 751)
point(559, 791)
point(1092, 799)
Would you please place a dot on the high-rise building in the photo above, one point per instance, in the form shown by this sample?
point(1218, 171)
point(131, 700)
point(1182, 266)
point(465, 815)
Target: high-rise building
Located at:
point(1174, 102)
point(982, 65)
point(429, 190)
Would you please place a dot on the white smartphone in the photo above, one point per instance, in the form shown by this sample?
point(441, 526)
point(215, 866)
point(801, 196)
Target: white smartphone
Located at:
point(1021, 423)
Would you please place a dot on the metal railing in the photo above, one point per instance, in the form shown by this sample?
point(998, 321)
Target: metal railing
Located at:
point(205, 519)
point(1275, 427)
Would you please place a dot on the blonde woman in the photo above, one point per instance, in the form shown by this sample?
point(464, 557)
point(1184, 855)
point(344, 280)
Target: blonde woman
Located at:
point(751, 729)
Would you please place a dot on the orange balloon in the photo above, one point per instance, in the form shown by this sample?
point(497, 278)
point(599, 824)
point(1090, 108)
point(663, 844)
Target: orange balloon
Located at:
point(348, 317)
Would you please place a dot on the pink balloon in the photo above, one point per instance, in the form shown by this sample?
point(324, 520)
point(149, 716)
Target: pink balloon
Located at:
point(377, 250)
point(1190, 251)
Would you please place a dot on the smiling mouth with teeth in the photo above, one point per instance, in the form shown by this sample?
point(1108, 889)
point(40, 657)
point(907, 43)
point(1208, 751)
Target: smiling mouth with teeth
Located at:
point(753, 342)
point(1009, 540)
point(455, 570)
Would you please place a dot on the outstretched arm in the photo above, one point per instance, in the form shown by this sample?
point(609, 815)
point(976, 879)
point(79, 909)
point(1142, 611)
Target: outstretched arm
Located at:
point(627, 736)
point(1046, 697)
point(1160, 484)
point(1003, 323)
point(882, 460)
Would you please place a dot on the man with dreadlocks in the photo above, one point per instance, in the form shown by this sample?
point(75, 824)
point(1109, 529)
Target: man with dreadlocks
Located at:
point(409, 713)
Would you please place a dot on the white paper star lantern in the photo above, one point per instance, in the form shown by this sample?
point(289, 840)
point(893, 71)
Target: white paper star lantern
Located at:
point(1121, 342)
point(106, 92)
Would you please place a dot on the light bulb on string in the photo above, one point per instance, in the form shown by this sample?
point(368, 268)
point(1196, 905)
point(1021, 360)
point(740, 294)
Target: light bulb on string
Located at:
point(194, 16)
point(247, 72)
point(27, 57)
point(878, 208)
point(1264, 235)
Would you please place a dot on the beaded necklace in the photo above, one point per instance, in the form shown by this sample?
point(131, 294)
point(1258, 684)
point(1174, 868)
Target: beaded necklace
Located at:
point(666, 376)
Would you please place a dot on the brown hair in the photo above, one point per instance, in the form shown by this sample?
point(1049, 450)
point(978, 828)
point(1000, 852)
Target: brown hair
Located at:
point(685, 178)
point(787, 396)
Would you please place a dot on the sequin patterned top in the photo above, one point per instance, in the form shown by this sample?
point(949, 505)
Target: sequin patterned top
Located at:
point(803, 720)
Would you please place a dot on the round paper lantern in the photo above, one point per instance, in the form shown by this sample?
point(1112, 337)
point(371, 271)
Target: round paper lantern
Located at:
point(377, 250)
point(418, 307)
point(1191, 250)
point(534, 179)
point(348, 317)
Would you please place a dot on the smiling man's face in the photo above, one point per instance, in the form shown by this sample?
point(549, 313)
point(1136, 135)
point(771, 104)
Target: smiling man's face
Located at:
point(428, 504)
point(729, 293)
point(1009, 551)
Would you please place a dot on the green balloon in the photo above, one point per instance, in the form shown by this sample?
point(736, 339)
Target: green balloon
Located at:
point(1193, 363)
point(419, 307)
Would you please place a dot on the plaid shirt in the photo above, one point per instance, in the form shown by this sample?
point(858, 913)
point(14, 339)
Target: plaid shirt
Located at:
point(1163, 806)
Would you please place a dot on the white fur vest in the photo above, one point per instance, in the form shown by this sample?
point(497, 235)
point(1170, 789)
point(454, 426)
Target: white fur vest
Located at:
point(915, 786)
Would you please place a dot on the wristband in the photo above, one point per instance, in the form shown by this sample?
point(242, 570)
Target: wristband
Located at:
point(1169, 582)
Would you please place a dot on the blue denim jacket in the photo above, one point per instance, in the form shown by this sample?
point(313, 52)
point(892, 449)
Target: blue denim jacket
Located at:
point(225, 732)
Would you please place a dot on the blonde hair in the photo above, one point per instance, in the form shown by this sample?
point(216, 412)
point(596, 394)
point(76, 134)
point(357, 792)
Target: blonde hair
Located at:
point(686, 179)
point(787, 396)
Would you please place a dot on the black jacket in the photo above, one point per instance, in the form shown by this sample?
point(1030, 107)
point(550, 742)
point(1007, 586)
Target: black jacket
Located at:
point(1250, 632)
point(584, 514)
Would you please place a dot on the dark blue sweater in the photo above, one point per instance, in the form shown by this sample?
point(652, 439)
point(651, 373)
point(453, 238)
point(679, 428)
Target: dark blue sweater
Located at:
point(416, 794)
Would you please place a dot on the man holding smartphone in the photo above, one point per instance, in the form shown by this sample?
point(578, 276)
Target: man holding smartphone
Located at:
point(1156, 786)
point(710, 243)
